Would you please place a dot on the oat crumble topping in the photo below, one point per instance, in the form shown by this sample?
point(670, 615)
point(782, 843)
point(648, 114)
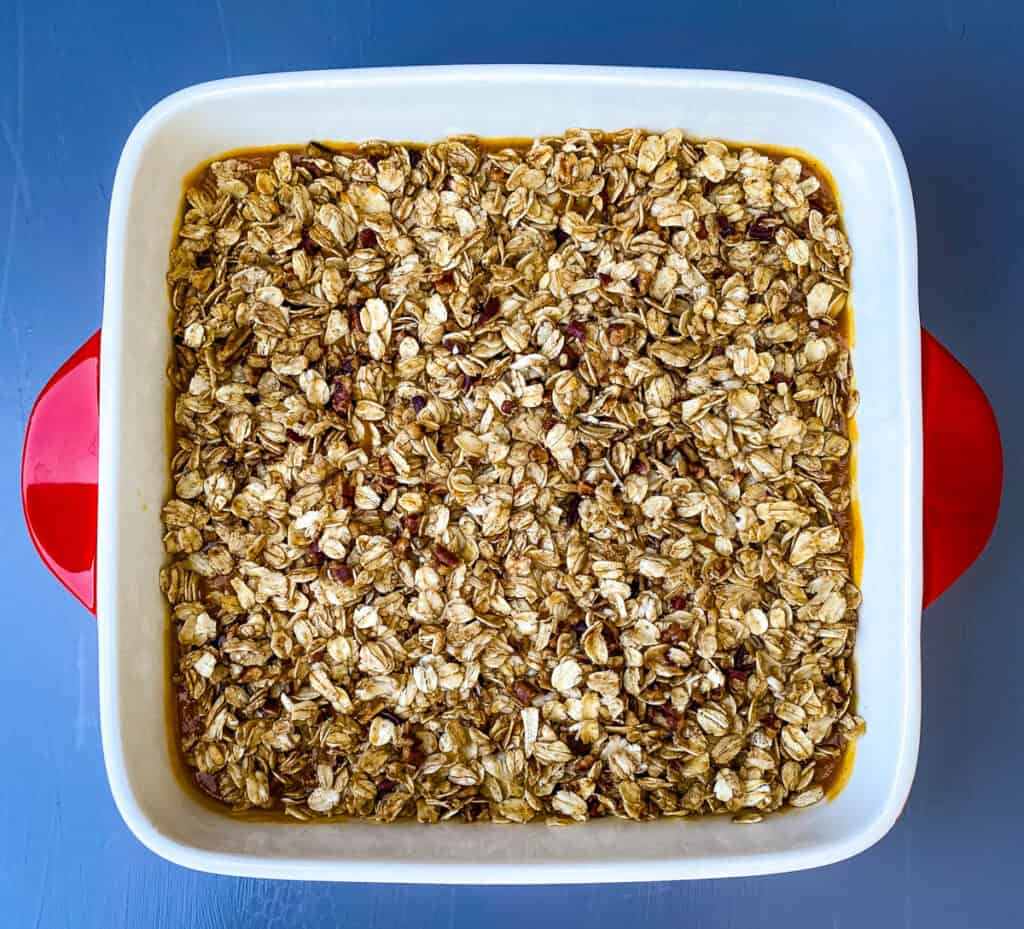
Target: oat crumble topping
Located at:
point(512, 483)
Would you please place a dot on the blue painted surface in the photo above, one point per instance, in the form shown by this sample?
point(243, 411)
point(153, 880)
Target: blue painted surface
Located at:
point(74, 78)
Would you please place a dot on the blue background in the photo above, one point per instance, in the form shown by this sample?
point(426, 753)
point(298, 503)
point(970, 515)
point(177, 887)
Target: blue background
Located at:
point(75, 77)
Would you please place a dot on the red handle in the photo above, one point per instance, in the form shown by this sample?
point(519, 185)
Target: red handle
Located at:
point(59, 472)
point(963, 470)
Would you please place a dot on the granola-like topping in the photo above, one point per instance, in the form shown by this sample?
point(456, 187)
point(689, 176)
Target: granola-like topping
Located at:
point(512, 484)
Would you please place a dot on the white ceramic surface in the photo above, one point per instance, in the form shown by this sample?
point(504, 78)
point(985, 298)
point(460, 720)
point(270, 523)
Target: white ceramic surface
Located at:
point(425, 104)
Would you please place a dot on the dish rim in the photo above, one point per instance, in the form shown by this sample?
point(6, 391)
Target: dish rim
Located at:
point(110, 465)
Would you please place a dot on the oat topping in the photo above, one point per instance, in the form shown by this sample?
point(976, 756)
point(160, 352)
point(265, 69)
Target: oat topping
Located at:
point(512, 483)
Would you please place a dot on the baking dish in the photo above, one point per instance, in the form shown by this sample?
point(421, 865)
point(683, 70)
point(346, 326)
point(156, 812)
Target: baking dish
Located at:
point(924, 519)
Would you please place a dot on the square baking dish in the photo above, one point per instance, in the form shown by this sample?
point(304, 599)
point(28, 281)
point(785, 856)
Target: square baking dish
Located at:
point(422, 105)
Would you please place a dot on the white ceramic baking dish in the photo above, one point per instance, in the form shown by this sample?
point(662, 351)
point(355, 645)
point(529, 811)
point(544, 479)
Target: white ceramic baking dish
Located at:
point(424, 104)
